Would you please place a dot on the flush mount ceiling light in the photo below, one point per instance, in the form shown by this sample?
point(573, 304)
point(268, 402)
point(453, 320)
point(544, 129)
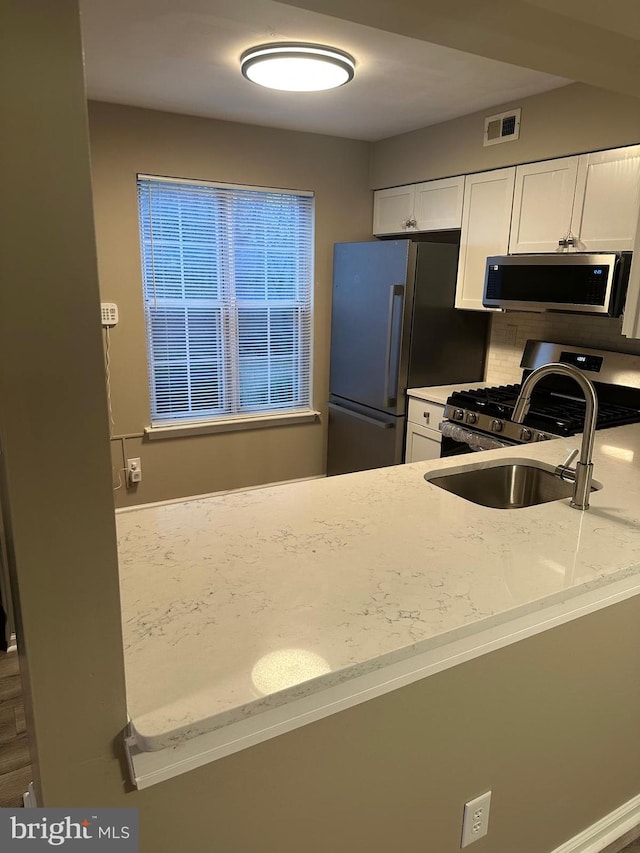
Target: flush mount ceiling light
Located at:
point(297, 67)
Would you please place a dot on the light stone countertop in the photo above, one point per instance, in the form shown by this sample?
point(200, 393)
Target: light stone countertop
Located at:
point(333, 578)
point(440, 393)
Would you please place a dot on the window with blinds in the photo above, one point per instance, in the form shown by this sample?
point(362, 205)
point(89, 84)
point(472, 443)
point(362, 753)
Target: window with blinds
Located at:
point(228, 282)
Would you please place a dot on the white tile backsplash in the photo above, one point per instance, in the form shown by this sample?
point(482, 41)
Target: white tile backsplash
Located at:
point(511, 330)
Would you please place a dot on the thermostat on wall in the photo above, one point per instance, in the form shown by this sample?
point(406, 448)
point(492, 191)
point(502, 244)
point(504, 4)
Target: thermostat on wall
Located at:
point(109, 314)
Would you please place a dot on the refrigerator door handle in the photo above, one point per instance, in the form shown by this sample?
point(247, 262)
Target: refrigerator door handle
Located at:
point(361, 417)
point(396, 295)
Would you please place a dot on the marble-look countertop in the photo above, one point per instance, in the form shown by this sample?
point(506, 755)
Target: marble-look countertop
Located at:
point(324, 580)
point(440, 393)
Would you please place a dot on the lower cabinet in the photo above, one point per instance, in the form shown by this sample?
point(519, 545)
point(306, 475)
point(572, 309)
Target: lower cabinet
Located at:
point(423, 435)
point(422, 443)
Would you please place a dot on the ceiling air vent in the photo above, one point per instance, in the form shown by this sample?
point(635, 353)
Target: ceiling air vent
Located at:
point(502, 127)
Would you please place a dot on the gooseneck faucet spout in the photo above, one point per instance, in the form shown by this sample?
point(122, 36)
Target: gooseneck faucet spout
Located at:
point(584, 468)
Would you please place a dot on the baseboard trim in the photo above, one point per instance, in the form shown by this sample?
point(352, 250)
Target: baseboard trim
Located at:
point(605, 831)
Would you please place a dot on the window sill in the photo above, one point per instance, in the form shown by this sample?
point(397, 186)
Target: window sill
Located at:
point(232, 424)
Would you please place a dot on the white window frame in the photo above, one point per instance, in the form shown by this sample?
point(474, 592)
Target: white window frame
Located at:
point(231, 418)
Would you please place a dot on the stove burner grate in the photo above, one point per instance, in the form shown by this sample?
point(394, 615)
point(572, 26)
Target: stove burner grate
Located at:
point(549, 412)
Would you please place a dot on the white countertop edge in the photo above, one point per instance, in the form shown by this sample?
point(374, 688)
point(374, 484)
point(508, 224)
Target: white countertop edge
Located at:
point(150, 768)
point(241, 489)
point(440, 393)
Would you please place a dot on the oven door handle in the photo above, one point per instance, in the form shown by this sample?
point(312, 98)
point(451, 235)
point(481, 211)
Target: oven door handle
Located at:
point(475, 440)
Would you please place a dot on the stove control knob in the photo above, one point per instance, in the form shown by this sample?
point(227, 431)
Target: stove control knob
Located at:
point(496, 425)
point(543, 437)
point(471, 417)
point(458, 415)
point(525, 434)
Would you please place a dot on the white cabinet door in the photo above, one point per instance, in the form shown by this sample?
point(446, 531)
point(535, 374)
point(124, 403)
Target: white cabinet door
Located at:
point(542, 205)
point(425, 413)
point(605, 210)
point(486, 215)
point(422, 443)
point(393, 210)
point(438, 204)
point(631, 320)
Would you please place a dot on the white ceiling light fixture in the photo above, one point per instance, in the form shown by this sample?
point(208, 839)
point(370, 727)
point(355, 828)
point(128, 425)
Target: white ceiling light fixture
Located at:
point(297, 67)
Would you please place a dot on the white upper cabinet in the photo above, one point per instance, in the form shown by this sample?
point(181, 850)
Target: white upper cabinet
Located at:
point(605, 209)
point(429, 206)
point(631, 320)
point(393, 210)
point(542, 205)
point(486, 215)
point(438, 204)
point(587, 203)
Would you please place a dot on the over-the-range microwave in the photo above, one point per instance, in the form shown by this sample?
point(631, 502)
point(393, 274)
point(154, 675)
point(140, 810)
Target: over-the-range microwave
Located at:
point(579, 283)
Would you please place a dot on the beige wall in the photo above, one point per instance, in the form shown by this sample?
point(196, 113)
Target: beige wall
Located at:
point(126, 141)
point(550, 722)
point(569, 120)
point(53, 413)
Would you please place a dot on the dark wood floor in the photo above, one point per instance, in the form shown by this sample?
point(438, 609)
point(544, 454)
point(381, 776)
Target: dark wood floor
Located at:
point(15, 767)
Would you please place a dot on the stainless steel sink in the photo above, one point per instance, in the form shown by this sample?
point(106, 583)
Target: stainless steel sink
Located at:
point(506, 486)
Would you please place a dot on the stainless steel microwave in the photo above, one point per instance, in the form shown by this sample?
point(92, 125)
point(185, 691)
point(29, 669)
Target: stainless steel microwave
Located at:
point(578, 282)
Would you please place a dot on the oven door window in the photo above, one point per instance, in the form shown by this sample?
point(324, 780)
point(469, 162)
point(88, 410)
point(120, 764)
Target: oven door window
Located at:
point(451, 447)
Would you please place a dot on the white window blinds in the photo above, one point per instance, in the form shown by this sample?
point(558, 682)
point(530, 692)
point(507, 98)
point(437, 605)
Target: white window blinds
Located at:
point(228, 281)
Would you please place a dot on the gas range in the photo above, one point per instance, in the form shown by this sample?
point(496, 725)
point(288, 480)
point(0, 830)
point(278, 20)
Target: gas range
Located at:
point(481, 417)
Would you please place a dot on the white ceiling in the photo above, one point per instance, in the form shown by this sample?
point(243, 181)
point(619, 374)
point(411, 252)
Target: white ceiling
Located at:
point(183, 56)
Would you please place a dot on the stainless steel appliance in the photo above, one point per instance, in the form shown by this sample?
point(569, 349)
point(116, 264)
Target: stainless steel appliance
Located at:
point(575, 283)
point(481, 419)
point(393, 326)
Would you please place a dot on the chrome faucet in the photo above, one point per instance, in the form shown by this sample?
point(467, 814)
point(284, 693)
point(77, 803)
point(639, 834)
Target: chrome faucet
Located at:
point(583, 472)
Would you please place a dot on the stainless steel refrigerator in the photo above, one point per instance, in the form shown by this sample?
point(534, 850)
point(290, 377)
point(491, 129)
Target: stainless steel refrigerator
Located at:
point(393, 327)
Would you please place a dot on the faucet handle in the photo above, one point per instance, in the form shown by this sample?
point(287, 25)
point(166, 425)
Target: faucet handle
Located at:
point(567, 462)
point(565, 471)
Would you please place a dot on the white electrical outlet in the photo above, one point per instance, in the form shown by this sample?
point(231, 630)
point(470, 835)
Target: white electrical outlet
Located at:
point(475, 820)
point(134, 471)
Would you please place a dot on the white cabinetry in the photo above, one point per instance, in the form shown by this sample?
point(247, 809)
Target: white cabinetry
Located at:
point(631, 321)
point(423, 436)
point(542, 205)
point(590, 201)
point(429, 206)
point(486, 214)
point(605, 209)
point(393, 210)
